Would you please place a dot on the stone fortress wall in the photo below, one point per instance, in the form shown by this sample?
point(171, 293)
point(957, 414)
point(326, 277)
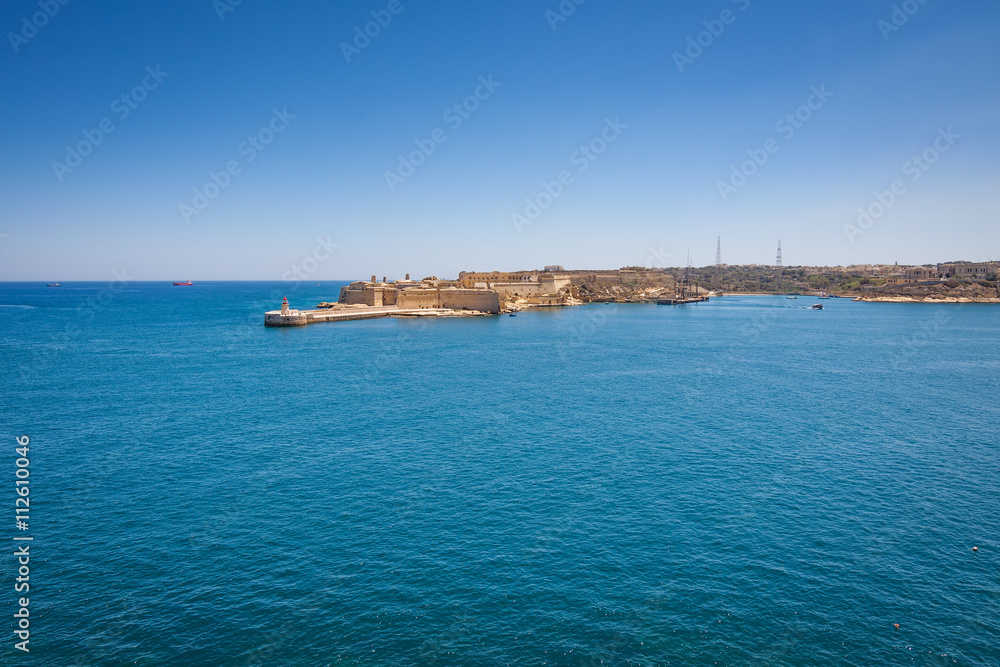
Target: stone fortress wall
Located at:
point(427, 293)
point(485, 291)
point(454, 298)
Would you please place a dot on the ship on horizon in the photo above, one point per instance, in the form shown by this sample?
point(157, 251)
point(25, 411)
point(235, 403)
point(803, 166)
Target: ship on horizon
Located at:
point(184, 284)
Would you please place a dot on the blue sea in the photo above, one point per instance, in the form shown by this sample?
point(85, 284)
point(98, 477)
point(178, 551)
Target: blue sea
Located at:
point(740, 482)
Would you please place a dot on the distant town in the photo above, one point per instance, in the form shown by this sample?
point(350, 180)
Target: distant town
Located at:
point(958, 280)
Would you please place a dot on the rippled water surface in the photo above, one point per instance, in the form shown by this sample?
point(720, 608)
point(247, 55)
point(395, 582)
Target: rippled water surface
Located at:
point(742, 482)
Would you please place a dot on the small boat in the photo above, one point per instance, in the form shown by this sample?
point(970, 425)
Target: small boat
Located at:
point(816, 306)
point(184, 284)
point(512, 314)
point(53, 285)
point(791, 297)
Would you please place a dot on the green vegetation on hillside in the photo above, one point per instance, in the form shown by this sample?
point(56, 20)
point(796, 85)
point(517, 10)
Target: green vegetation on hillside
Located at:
point(772, 280)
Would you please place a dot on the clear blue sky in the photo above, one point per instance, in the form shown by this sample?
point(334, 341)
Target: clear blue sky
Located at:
point(650, 195)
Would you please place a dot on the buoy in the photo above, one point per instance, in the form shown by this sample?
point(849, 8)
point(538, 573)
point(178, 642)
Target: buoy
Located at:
point(896, 625)
point(975, 548)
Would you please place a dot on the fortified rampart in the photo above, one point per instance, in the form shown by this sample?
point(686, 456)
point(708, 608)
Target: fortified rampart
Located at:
point(483, 278)
point(408, 294)
point(637, 276)
point(517, 289)
point(450, 297)
point(363, 293)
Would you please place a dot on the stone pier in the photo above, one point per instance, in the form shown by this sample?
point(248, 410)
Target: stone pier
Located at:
point(300, 318)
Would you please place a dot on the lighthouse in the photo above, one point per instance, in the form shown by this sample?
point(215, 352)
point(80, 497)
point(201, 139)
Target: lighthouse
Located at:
point(284, 306)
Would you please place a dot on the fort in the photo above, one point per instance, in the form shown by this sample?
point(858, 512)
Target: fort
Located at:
point(477, 293)
point(371, 299)
point(429, 293)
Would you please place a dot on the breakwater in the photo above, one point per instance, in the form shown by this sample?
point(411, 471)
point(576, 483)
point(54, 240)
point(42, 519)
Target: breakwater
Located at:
point(301, 318)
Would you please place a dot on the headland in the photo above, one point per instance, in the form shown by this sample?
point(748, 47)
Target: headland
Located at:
point(477, 293)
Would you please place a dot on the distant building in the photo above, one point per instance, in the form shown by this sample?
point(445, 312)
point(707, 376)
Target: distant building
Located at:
point(472, 278)
point(562, 283)
point(969, 270)
point(917, 273)
point(553, 267)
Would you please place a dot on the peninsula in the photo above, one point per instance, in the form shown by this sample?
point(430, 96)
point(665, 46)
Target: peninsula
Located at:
point(481, 293)
point(476, 293)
